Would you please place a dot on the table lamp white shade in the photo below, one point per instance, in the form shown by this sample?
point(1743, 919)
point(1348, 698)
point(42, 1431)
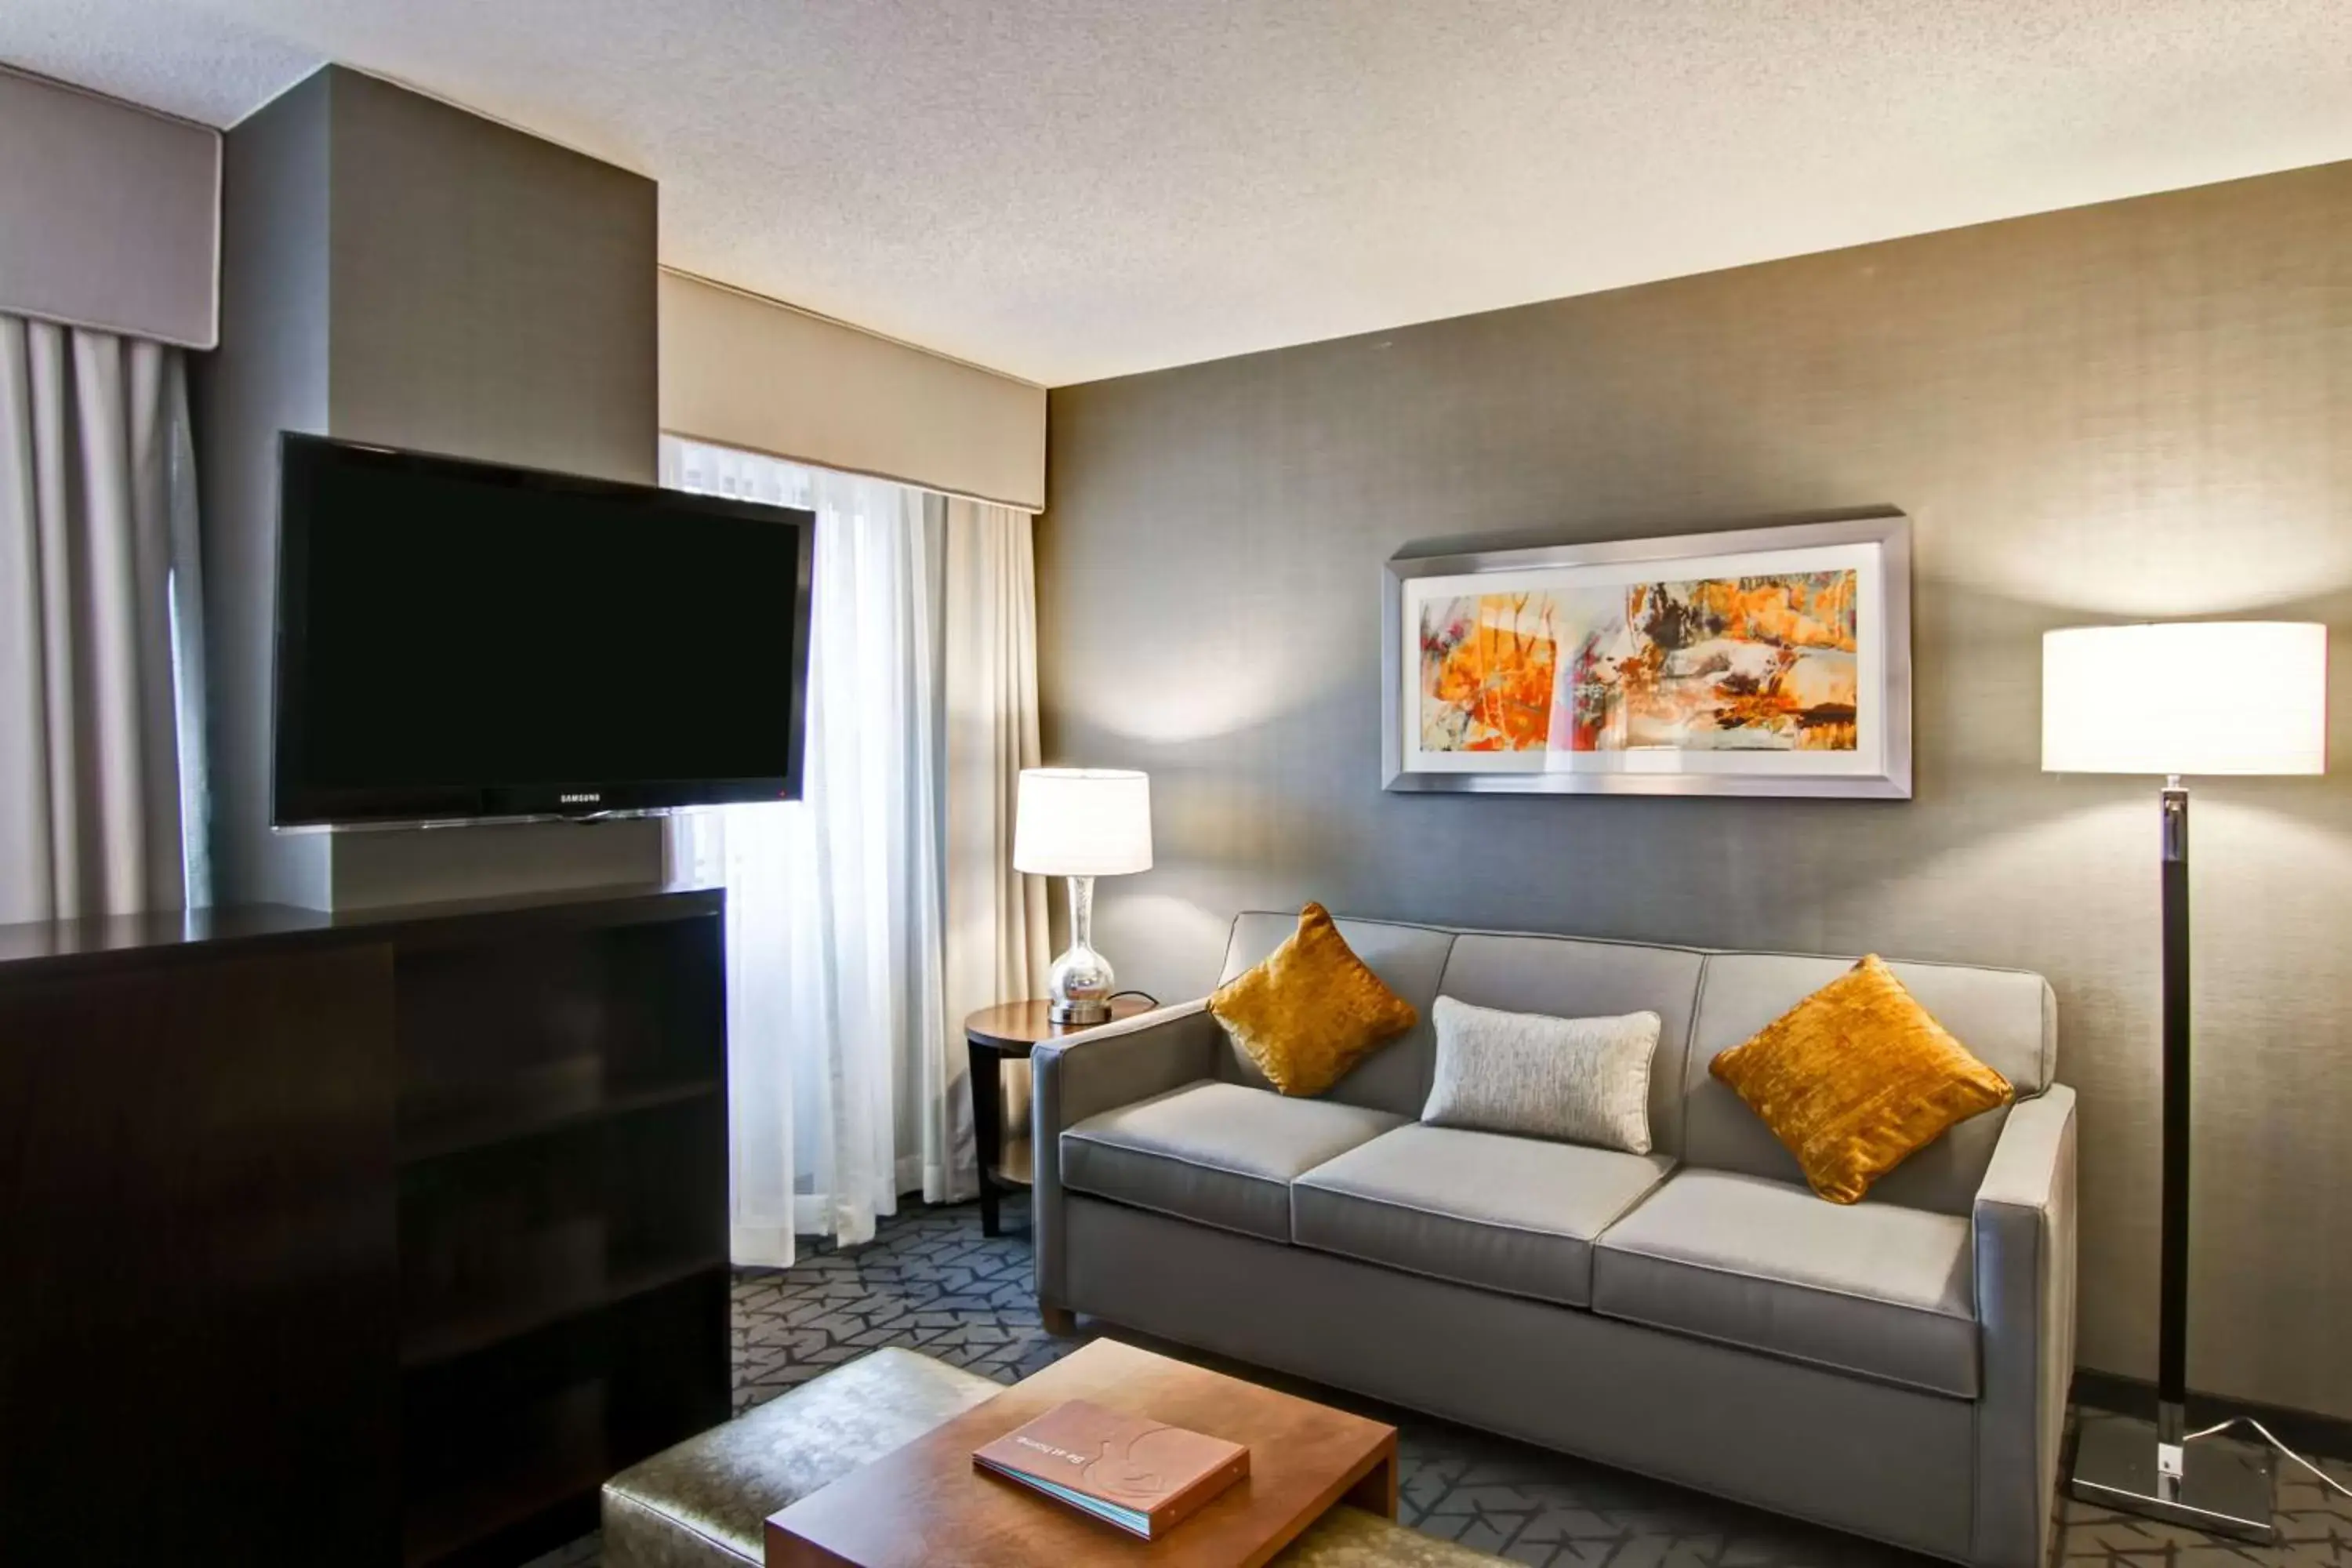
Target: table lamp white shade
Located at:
point(1083, 822)
point(2186, 697)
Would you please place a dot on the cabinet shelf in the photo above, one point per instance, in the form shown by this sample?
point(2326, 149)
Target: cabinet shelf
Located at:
point(438, 1529)
point(560, 1151)
point(463, 1136)
point(486, 1330)
point(485, 1147)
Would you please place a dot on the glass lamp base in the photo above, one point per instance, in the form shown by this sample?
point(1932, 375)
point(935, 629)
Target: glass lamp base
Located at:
point(1079, 987)
point(2223, 1488)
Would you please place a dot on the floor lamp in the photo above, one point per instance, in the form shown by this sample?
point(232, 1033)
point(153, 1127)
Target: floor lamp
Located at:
point(2177, 698)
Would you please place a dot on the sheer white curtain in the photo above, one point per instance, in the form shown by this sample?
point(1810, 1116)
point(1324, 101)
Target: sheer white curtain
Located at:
point(850, 939)
point(101, 729)
point(997, 947)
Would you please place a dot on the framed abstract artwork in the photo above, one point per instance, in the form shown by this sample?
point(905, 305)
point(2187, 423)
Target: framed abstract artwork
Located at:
point(1764, 661)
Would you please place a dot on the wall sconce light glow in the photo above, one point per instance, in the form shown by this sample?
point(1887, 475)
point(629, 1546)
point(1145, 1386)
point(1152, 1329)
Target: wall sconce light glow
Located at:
point(2186, 697)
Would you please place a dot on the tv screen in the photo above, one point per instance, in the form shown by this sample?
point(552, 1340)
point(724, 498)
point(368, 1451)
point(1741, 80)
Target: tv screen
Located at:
point(460, 640)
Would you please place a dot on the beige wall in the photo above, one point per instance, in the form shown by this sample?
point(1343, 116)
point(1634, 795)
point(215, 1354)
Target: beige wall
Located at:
point(747, 372)
point(109, 216)
point(2139, 409)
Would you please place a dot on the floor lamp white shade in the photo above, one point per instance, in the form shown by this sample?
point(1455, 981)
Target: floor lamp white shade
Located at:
point(2186, 697)
point(2174, 699)
point(1082, 822)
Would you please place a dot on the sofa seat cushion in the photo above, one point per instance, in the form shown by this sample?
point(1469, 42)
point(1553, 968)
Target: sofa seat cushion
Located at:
point(1869, 1289)
point(1222, 1154)
point(1507, 1213)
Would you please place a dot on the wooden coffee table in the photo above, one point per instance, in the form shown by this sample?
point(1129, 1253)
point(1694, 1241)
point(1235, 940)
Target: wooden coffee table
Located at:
point(926, 1503)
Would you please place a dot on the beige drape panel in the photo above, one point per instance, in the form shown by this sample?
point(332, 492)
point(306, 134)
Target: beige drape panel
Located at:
point(996, 939)
point(96, 492)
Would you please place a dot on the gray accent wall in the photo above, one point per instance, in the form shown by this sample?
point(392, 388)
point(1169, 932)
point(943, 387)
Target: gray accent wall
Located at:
point(399, 271)
point(269, 374)
point(494, 294)
point(2137, 410)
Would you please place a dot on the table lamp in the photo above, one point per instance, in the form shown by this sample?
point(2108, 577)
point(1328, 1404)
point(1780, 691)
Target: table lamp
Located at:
point(1082, 822)
point(2175, 699)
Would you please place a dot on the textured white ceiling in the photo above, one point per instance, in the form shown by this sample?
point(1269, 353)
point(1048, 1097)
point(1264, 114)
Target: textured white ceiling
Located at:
point(1067, 189)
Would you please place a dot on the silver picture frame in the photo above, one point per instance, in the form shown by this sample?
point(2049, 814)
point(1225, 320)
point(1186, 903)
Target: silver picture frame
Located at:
point(1883, 774)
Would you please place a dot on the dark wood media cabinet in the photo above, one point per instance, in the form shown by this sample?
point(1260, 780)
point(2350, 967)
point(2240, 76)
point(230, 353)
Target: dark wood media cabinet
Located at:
point(380, 1237)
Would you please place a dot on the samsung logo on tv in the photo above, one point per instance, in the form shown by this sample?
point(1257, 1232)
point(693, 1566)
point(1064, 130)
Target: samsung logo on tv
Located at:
point(582, 799)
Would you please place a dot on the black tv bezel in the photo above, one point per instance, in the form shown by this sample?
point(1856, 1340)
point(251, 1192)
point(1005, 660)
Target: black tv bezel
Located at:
point(294, 805)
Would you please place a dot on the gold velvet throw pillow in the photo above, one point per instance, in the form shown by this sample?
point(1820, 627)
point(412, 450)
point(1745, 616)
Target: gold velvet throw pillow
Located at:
point(1312, 1010)
point(1856, 1078)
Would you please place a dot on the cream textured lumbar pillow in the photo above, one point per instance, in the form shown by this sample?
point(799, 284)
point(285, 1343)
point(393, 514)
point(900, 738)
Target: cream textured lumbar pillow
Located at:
point(1576, 1080)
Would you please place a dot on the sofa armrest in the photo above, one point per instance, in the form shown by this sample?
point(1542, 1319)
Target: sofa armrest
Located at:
point(2023, 1224)
point(1115, 1065)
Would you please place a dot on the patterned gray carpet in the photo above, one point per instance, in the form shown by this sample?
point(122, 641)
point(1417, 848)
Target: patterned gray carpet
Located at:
point(930, 1282)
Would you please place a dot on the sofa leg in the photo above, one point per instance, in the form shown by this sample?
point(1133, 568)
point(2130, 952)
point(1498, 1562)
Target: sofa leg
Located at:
point(1060, 1321)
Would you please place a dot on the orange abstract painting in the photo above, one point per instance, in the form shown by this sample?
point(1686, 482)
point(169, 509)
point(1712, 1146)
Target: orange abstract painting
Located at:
point(1489, 666)
point(1747, 663)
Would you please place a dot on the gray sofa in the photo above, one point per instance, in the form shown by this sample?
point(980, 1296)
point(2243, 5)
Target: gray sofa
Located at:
point(1897, 1368)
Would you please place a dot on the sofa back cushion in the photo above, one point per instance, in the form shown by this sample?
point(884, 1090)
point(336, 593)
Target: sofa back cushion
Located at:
point(1408, 959)
point(1707, 1002)
point(2006, 1017)
point(1573, 977)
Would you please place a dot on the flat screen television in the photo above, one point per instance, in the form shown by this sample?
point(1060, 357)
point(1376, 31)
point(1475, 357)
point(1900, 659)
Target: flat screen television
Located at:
point(461, 641)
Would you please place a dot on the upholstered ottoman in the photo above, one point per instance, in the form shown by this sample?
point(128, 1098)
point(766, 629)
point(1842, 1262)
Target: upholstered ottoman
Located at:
point(702, 1503)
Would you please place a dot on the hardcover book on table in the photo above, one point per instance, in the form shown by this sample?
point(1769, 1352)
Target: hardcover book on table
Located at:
point(1143, 1476)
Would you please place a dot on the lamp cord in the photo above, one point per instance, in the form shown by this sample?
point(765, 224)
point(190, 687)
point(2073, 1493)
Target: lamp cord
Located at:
point(2324, 1478)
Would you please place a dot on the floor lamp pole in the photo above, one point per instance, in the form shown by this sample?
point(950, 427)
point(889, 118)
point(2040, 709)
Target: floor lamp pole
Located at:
point(2172, 1321)
point(2133, 1464)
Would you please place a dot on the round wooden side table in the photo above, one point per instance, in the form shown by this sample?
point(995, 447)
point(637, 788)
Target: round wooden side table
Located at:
point(1009, 1032)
